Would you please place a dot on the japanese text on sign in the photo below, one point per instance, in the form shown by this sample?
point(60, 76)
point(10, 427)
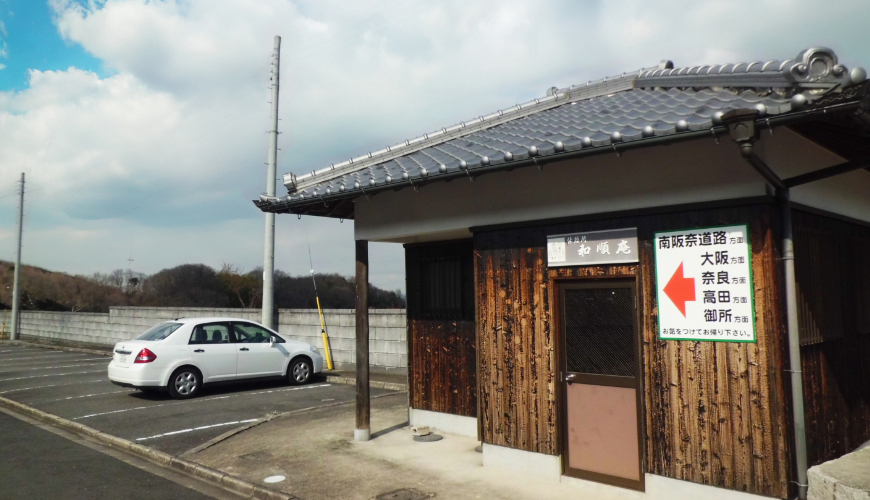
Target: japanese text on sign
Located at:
point(594, 247)
point(704, 284)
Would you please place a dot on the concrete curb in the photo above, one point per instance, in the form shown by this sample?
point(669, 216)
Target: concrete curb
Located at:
point(392, 386)
point(201, 472)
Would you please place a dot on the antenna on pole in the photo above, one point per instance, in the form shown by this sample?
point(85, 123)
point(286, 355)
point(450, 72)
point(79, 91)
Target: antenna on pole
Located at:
point(319, 309)
point(16, 280)
point(269, 254)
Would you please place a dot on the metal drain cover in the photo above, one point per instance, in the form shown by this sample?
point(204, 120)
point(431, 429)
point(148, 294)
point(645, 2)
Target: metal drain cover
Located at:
point(404, 494)
point(428, 438)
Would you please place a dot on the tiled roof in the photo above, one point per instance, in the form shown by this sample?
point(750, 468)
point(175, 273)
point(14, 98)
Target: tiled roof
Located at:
point(627, 111)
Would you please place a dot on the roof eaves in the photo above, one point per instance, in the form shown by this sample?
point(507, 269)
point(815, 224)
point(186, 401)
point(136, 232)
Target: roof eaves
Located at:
point(825, 106)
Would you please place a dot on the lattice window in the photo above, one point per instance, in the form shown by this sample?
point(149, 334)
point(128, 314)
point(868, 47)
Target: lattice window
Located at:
point(599, 331)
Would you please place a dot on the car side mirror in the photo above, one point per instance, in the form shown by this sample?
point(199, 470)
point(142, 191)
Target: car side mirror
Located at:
point(271, 341)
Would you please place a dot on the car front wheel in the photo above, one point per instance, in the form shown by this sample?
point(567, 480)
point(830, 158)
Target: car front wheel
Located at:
point(184, 383)
point(300, 371)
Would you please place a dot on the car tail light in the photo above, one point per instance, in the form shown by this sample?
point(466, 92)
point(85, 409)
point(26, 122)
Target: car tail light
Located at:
point(145, 356)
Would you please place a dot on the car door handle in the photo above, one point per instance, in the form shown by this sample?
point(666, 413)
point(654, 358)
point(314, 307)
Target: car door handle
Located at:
point(199, 350)
point(244, 349)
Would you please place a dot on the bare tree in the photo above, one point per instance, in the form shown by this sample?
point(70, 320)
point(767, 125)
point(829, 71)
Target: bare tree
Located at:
point(244, 287)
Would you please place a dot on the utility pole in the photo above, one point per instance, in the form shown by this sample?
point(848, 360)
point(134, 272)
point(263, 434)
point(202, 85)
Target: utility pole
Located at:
point(269, 257)
point(16, 282)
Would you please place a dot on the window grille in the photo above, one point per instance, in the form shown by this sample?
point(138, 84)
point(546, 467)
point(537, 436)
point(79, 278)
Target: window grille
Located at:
point(820, 261)
point(440, 281)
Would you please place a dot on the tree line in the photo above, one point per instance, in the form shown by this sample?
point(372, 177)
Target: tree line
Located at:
point(187, 285)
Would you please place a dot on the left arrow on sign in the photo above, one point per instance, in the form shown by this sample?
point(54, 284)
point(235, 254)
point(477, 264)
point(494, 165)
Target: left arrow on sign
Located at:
point(680, 289)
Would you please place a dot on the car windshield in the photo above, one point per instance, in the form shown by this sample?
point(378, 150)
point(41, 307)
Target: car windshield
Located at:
point(159, 332)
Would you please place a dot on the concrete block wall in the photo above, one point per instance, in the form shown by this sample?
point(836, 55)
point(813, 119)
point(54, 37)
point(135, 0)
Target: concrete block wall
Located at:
point(388, 352)
point(388, 348)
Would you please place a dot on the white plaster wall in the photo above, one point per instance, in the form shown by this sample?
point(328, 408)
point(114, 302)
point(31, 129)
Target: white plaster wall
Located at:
point(696, 171)
point(388, 351)
point(528, 462)
point(656, 487)
point(788, 154)
point(444, 422)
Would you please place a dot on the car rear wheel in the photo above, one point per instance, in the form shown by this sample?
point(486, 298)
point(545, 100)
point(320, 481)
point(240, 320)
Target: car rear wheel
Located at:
point(184, 383)
point(300, 371)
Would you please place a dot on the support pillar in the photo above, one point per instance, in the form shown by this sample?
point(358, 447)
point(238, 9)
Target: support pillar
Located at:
point(363, 403)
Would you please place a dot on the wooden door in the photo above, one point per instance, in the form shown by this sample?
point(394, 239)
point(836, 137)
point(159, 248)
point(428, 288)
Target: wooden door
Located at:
point(601, 373)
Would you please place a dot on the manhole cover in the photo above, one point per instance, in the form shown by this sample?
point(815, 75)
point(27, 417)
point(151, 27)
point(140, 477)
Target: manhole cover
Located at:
point(404, 494)
point(428, 438)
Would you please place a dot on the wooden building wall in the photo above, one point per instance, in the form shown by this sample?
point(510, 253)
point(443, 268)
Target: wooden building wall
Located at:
point(443, 366)
point(832, 263)
point(715, 413)
point(442, 361)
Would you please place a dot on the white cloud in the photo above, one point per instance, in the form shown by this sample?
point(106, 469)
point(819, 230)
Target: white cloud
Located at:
point(170, 146)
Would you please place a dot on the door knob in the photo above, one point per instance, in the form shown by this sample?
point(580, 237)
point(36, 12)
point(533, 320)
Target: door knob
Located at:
point(570, 378)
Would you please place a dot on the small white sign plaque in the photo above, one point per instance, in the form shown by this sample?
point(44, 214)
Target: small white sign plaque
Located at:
point(615, 246)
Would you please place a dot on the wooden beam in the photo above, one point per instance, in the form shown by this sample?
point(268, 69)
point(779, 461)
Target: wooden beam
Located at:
point(824, 173)
point(363, 403)
point(339, 207)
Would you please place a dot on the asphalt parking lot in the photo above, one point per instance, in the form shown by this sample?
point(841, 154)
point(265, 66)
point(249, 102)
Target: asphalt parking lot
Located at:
point(74, 385)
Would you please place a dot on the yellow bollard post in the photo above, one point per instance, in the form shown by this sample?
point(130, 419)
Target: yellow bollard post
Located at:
point(325, 337)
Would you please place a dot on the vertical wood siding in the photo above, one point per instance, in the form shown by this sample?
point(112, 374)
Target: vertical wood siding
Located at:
point(442, 361)
point(516, 350)
point(443, 366)
point(833, 272)
point(715, 413)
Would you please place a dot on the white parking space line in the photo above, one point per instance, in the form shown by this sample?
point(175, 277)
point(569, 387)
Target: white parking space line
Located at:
point(52, 385)
point(50, 357)
point(46, 355)
point(48, 363)
point(53, 375)
point(42, 360)
point(198, 429)
point(50, 367)
point(200, 400)
point(119, 411)
point(83, 396)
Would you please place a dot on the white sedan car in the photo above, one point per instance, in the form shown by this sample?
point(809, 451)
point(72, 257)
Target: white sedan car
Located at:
point(182, 355)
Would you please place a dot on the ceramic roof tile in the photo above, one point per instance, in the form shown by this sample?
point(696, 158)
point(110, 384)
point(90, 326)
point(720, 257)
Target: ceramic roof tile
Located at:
point(627, 113)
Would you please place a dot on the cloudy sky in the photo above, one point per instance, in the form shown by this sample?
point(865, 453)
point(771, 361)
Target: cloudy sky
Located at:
point(140, 124)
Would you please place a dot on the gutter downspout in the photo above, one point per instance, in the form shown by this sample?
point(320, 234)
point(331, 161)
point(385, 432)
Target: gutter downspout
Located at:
point(741, 125)
point(794, 346)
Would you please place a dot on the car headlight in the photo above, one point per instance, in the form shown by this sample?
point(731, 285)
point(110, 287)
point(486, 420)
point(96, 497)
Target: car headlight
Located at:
point(312, 348)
